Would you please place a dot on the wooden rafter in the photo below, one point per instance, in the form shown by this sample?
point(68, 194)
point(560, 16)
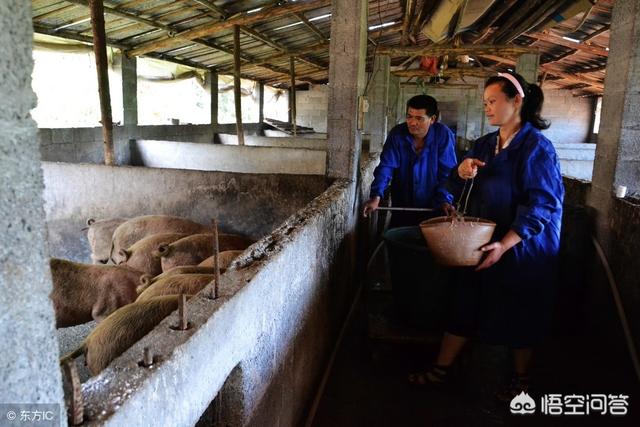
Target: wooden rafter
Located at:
point(272, 43)
point(588, 48)
point(210, 29)
point(310, 25)
point(552, 72)
point(209, 5)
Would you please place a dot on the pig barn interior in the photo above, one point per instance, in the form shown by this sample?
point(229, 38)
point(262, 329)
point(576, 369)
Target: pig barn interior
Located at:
point(300, 333)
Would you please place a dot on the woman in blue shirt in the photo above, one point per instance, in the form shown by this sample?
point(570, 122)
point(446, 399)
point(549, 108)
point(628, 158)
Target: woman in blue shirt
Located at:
point(508, 298)
point(417, 158)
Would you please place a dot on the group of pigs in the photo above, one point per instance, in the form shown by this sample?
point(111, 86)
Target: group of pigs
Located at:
point(141, 267)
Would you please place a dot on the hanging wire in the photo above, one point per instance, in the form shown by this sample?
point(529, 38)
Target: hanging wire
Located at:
point(466, 199)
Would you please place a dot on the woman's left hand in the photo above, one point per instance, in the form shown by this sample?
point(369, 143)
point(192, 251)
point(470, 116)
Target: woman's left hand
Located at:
point(494, 252)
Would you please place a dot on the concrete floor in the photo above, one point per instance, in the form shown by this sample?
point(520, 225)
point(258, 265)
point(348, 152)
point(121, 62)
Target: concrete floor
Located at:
point(367, 385)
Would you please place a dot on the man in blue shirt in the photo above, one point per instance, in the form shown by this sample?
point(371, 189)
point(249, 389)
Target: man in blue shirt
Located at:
point(416, 158)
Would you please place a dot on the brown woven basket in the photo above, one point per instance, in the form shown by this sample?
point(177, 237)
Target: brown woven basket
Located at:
point(457, 242)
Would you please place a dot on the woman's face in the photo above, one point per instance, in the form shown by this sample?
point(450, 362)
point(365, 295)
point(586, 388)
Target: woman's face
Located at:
point(499, 109)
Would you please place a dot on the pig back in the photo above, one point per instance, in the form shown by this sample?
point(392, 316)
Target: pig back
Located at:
point(189, 284)
point(123, 328)
point(137, 228)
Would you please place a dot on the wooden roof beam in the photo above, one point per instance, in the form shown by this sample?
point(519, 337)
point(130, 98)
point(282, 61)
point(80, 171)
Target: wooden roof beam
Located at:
point(244, 19)
point(439, 50)
point(588, 48)
point(596, 33)
point(450, 72)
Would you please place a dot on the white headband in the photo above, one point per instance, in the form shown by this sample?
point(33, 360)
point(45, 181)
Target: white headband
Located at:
point(514, 81)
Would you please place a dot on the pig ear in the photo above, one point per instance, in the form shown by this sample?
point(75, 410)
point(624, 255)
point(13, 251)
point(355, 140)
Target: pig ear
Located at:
point(145, 280)
point(90, 222)
point(163, 250)
point(124, 254)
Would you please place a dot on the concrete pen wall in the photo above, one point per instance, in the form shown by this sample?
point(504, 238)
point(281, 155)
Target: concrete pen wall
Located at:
point(247, 204)
point(264, 160)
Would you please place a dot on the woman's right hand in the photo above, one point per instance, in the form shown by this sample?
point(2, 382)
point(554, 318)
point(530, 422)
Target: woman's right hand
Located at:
point(468, 169)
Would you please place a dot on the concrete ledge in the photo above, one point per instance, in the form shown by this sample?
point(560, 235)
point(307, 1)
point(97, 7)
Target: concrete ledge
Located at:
point(579, 169)
point(284, 142)
point(264, 160)
point(272, 133)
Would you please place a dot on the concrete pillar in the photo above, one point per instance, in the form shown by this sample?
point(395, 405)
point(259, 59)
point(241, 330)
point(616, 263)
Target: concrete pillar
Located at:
point(348, 48)
point(130, 90)
point(617, 160)
point(29, 352)
point(527, 66)
point(378, 94)
point(213, 79)
point(261, 104)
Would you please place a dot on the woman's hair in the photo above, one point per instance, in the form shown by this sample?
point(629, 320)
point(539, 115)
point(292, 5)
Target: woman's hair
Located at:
point(424, 102)
point(531, 103)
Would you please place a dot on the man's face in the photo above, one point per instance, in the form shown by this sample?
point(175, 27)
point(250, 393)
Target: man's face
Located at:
point(418, 122)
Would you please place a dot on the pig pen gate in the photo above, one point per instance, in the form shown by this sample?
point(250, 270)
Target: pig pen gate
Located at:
point(222, 37)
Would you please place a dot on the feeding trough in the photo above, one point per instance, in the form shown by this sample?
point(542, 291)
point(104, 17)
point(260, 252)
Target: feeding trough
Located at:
point(456, 241)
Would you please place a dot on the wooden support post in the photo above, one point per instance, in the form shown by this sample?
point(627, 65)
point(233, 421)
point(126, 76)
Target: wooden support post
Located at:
point(292, 97)
point(100, 52)
point(237, 94)
point(213, 76)
point(261, 103)
point(182, 313)
point(75, 412)
point(216, 257)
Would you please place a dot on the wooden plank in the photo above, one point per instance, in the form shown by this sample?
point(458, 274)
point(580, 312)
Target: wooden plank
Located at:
point(261, 104)
point(439, 50)
point(406, 21)
point(237, 94)
point(292, 98)
point(244, 19)
point(102, 66)
point(213, 76)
